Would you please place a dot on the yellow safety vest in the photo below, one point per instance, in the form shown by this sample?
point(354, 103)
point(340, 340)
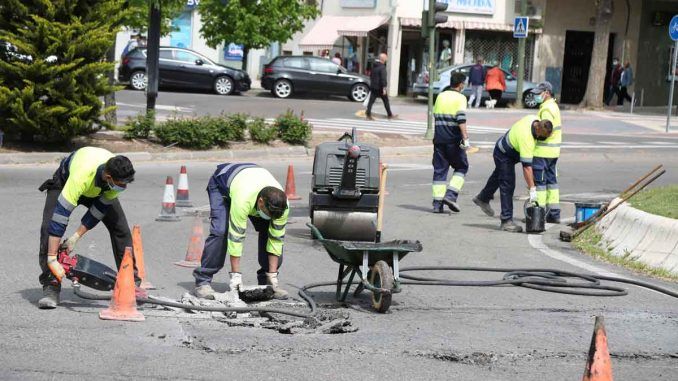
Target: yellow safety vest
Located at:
point(550, 148)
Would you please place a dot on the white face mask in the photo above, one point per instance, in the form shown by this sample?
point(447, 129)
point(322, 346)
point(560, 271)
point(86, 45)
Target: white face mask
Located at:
point(114, 187)
point(263, 215)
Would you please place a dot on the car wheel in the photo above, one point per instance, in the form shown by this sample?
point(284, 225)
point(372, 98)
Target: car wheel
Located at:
point(359, 92)
point(282, 88)
point(138, 80)
point(223, 85)
point(529, 101)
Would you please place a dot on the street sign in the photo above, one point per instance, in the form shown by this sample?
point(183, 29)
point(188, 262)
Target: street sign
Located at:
point(520, 27)
point(673, 28)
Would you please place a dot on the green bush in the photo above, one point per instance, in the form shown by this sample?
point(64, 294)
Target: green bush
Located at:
point(199, 133)
point(293, 129)
point(260, 132)
point(235, 127)
point(140, 126)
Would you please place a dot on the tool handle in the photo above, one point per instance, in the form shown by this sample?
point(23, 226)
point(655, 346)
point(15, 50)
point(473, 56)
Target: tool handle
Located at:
point(627, 190)
point(380, 208)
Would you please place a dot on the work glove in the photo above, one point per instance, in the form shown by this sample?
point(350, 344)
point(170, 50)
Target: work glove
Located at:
point(71, 241)
point(236, 281)
point(55, 267)
point(533, 195)
point(465, 144)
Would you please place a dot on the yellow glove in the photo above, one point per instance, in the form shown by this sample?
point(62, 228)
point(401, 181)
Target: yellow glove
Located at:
point(55, 267)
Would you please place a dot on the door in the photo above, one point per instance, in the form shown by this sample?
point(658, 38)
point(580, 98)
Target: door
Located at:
point(194, 70)
point(168, 68)
point(576, 63)
point(299, 72)
point(328, 78)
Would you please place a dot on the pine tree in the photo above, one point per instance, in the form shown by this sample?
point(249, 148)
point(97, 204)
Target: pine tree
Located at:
point(51, 86)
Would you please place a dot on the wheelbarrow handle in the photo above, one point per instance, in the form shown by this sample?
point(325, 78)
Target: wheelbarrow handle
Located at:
point(315, 231)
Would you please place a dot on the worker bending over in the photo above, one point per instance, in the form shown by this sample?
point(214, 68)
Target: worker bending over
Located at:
point(546, 154)
point(517, 145)
point(92, 177)
point(449, 145)
point(238, 191)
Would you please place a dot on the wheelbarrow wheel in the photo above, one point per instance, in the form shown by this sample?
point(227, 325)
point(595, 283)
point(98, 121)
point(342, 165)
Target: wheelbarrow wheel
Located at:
point(381, 277)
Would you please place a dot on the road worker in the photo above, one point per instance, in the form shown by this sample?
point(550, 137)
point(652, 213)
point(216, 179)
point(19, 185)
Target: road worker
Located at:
point(238, 192)
point(516, 146)
point(450, 142)
point(92, 177)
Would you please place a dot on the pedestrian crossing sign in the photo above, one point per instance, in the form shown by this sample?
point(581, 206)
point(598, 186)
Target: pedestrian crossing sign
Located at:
point(520, 27)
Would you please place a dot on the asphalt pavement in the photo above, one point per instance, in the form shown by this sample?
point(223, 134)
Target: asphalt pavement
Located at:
point(501, 333)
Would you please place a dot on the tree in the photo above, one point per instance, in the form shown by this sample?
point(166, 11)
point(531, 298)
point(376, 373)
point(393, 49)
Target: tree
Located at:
point(52, 87)
point(595, 86)
point(254, 24)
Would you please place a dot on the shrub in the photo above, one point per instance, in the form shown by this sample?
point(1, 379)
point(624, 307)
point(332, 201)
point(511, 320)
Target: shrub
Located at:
point(235, 126)
point(199, 133)
point(293, 129)
point(260, 132)
point(140, 126)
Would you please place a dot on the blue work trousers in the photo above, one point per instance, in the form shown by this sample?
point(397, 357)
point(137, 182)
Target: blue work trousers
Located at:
point(444, 157)
point(214, 253)
point(504, 179)
point(546, 180)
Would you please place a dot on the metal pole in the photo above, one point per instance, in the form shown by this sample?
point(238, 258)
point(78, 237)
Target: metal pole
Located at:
point(521, 60)
point(673, 81)
point(633, 101)
point(153, 55)
point(431, 68)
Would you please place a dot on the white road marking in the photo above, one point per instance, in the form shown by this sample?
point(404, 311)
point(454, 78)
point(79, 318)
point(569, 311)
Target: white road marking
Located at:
point(158, 107)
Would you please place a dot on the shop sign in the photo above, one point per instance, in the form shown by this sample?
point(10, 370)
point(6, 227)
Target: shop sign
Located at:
point(358, 3)
point(233, 52)
point(485, 7)
point(192, 3)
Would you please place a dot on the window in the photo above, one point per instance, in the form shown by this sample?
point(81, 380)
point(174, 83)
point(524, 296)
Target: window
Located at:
point(296, 63)
point(184, 56)
point(324, 66)
point(166, 54)
point(286, 52)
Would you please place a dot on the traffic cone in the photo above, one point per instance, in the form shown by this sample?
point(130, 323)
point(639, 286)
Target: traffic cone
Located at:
point(195, 246)
point(168, 211)
point(290, 188)
point(138, 248)
point(123, 301)
point(183, 200)
point(598, 364)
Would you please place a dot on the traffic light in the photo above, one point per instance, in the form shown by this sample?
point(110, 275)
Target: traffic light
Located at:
point(435, 17)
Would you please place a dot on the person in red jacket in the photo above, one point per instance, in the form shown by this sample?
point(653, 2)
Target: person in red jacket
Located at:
point(495, 82)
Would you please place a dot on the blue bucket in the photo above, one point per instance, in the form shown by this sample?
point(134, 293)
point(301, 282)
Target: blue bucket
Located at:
point(584, 211)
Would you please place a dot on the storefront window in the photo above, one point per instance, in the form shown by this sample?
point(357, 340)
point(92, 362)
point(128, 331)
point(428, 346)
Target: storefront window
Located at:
point(497, 48)
point(181, 36)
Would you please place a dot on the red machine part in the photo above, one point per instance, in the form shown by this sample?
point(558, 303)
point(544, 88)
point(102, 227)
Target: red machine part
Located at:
point(66, 261)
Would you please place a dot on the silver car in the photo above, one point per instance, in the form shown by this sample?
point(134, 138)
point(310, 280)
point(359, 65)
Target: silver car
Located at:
point(420, 88)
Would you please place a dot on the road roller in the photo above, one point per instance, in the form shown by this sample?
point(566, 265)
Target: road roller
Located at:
point(344, 198)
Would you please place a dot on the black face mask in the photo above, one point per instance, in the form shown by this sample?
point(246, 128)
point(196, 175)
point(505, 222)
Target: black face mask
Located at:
point(534, 135)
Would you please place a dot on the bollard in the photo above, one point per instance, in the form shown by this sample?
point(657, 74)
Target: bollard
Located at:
point(633, 101)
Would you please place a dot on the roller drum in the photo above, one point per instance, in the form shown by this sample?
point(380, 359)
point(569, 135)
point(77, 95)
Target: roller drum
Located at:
point(346, 226)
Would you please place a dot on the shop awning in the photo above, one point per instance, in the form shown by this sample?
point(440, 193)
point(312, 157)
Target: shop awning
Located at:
point(415, 22)
point(327, 29)
point(458, 24)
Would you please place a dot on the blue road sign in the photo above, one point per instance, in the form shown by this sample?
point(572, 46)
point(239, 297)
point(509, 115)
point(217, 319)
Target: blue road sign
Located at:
point(520, 27)
point(673, 28)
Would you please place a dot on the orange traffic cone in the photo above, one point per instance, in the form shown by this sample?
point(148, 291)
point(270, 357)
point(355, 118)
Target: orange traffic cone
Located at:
point(168, 211)
point(290, 187)
point(195, 246)
point(123, 302)
point(183, 200)
point(138, 248)
point(598, 365)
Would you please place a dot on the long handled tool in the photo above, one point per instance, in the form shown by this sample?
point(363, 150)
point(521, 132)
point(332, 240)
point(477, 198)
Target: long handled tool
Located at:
point(382, 194)
point(569, 236)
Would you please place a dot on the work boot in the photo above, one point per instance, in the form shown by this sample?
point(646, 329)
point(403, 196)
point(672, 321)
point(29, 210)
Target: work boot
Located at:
point(205, 292)
point(438, 207)
point(484, 206)
point(510, 226)
point(451, 204)
point(278, 293)
point(553, 220)
point(50, 297)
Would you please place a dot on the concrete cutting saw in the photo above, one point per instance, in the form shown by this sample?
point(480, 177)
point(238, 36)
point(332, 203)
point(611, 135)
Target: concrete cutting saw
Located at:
point(85, 271)
point(344, 198)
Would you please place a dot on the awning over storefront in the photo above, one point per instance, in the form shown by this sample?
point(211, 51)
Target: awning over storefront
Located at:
point(327, 29)
point(458, 24)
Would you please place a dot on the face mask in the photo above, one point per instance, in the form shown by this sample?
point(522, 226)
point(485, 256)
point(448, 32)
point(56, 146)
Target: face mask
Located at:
point(114, 187)
point(263, 215)
point(539, 98)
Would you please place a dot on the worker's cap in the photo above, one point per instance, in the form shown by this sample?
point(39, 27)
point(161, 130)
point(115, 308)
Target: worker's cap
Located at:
point(544, 86)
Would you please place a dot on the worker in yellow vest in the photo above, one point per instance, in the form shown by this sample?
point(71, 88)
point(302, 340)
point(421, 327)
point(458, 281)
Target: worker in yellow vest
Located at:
point(546, 154)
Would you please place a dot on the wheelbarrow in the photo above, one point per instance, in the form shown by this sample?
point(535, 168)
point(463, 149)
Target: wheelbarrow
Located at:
point(375, 263)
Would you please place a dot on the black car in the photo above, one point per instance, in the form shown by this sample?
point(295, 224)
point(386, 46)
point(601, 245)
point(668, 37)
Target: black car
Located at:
point(183, 68)
point(296, 74)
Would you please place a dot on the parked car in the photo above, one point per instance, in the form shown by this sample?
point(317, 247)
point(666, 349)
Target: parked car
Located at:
point(420, 88)
point(286, 75)
point(183, 68)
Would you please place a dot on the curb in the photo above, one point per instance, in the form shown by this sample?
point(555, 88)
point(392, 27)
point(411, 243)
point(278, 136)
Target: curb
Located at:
point(646, 237)
point(264, 153)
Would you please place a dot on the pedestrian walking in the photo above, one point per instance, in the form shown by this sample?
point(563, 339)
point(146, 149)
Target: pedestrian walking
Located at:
point(337, 58)
point(378, 86)
point(625, 81)
point(547, 152)
point(92, 177)
point(476, 79)
point(238, 192)
point(615, 79)
point(450, 143)
point(516, 146)
point(495, 83)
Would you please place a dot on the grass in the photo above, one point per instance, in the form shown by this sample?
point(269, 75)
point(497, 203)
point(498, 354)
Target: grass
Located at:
point(661, 201)
point(591, 242)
